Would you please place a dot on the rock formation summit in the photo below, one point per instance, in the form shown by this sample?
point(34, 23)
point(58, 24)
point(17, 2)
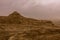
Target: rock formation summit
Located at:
point(12, 18)
point(15, 14)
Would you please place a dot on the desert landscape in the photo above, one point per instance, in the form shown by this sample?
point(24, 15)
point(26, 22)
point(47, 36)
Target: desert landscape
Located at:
point(17, 27)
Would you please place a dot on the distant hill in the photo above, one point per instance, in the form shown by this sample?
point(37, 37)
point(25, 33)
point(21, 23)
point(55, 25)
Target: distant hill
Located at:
point(17, 18)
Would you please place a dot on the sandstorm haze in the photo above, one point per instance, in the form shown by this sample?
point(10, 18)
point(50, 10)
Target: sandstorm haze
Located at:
point(40, 9)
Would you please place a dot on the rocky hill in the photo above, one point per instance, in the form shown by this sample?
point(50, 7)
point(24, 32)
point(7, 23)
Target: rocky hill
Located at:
point(18, 27)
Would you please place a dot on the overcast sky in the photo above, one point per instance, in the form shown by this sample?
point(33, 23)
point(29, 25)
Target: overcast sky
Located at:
point(41, 9)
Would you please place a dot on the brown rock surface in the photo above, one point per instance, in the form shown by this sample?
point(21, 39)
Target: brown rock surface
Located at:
point(17, 27)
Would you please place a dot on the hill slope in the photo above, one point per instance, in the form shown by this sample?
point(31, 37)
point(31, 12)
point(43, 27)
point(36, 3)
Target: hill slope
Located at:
point(17, 27)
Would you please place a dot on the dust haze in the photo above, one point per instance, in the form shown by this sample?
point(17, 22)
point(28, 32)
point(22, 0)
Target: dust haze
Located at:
point(40, 9)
